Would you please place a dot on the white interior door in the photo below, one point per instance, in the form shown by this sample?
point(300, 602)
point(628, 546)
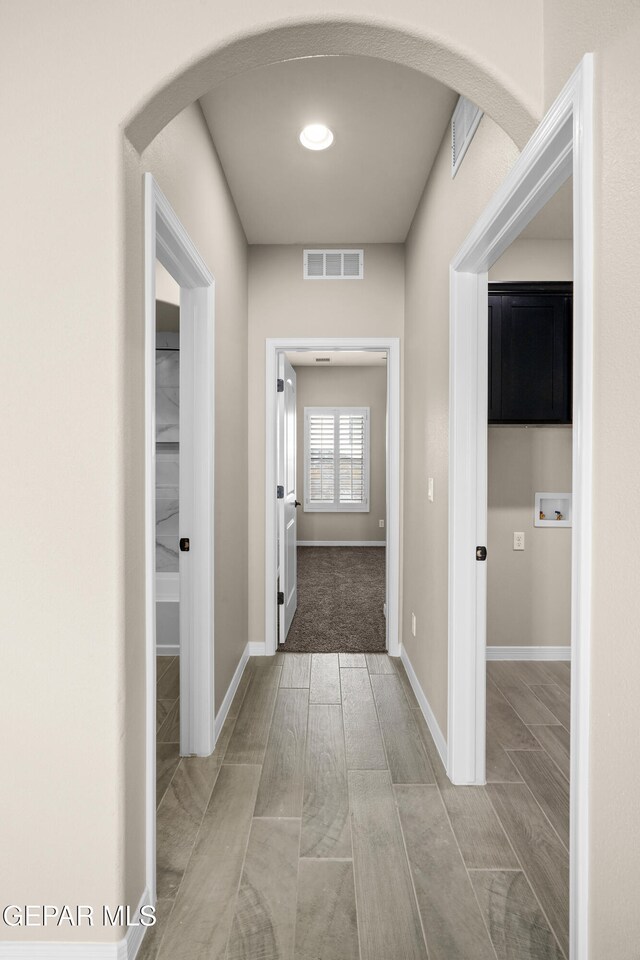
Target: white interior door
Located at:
point(288, 533)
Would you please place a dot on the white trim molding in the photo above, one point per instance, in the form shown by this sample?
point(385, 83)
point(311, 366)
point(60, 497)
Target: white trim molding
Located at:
point(221, 715)
point(256, 648)
point(528, 653)
point(562, 146)
point(273, 347)
point(125, 949)
point(168, 650)
point(341, 543)
point(425, 706)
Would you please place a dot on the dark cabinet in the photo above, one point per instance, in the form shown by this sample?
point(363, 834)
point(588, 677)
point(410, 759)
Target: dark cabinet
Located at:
point(530, 353)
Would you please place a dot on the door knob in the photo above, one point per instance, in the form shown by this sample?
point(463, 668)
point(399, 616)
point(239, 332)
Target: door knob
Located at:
point(481, 553)
point(297, 503)
point(184, 544)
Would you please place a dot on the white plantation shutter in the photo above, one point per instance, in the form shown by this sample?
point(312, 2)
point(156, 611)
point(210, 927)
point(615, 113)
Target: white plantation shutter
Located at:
point(336, 459)
point(351, 437)
point(321, 481)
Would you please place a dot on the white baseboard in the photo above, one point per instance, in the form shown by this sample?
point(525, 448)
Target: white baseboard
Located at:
point(167, 628)
point(135, 935)
point(529, 653)
point(221, 715)
point(341, 543)
point(425, 706)
point(125, 949)
point(256, 648)
point(168, 650)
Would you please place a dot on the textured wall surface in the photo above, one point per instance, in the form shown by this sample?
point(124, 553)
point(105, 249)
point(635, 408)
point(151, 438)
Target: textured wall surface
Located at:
point(528, 592)
point(447, 211)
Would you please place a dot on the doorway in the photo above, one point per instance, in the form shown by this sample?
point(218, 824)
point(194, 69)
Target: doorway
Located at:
point(187, 427)
point(332, 425)
point(284, 479)
point(561, 146)
point(529, 533)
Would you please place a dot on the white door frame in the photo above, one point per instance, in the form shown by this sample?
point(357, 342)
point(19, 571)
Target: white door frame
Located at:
point(166, 240)
point(562, 145)
point(374, 344)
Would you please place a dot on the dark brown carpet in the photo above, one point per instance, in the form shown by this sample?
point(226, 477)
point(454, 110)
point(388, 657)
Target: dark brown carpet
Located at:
point(341, 593)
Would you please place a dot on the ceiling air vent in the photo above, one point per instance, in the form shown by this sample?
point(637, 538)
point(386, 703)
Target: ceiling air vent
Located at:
point(464, 124)
point(333, 264)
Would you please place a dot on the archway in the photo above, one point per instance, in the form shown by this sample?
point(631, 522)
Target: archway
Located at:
point(453, 65)
point(450, 63)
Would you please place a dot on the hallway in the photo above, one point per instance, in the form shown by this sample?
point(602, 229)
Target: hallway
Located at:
point(324, 827)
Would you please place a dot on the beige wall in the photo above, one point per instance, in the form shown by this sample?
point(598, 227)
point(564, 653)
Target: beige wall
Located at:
point(446, 213)
point(82, 707)
point(528, 592)
point(346, 387)
point(612, 30)
point(282, 304)
point(534, 260)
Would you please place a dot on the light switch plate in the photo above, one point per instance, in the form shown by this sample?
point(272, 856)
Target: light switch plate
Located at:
point(430, 489)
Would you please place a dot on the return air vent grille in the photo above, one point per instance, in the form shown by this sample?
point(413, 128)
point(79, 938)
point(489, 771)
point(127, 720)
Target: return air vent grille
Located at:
point(333, 264)
point(464, 124)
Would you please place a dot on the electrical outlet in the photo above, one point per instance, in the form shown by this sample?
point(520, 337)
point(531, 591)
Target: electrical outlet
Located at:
point(413, 624)
point(381, 523)
point(518, 541)
point(430, 489)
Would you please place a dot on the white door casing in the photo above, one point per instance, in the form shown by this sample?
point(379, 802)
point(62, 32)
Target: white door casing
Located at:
point(376, 345)
point(287, 505)
point(167, 240)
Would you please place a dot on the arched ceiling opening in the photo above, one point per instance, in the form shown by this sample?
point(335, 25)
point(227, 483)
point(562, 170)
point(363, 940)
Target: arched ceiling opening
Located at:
point(448, 60)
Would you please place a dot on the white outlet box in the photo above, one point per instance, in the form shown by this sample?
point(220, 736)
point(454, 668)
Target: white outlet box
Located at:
point(381, 523)
point(430, 489)
point(518, 541)
point(413, 624)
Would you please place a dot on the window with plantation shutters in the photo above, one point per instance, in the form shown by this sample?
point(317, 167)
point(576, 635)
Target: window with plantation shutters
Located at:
point(336, 468)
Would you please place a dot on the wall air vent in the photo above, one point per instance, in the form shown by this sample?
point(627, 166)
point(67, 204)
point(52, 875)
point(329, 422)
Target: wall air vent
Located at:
point(464, 124)
point(323, 359)
point(333, 264)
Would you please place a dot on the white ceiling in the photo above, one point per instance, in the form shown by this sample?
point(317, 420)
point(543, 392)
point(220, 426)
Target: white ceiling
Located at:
point(388, 123)
point(337, 358)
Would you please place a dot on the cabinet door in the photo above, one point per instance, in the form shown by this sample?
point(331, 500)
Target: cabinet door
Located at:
point(532, 360)
point(495, 358)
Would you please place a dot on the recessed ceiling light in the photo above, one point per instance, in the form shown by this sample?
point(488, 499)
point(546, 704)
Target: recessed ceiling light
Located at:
point(316, 136)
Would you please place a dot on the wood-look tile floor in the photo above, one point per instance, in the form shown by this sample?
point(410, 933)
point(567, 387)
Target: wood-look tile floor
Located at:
point(324, 827)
